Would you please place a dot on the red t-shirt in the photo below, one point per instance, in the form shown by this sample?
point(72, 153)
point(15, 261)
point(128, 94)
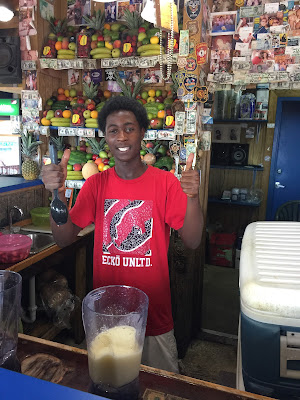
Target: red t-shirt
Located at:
point(132, 230)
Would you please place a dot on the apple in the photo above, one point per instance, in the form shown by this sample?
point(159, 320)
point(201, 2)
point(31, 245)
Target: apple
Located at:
point(73, 92)
point(95, 156)
point(156, 123)
point(72, 46)
point(94, 37)
point(60, 38)
point(117, 44)
point(65, 45)
point(116, 53)
point(150, 116)
point(91, 106)
point(105, 167)
point(58, 114)
point(105, 161)
point(138, 96)
point(141, 36)
point(87, 114)
point(142, 29)
point(158, 93)
point(150, 100)
point(77, 167)
point(144, 95)
point(100, 38)
point(80, 101)
point(82, 148)
point(159, 99)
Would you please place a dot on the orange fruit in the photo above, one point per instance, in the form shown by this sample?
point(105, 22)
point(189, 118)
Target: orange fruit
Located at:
point(101, 166)
point(58, 45)
point(107, 94)
point(161, 114)
point(154, 40)
point(98, 161)
point(172, 171)
point(61, 91)
point(61, 97)
point(106, 26)
point(45, 122)
point(67, 114)
point(94, 114)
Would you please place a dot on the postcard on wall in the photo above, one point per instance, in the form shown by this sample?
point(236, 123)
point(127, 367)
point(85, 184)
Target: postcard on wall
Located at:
point(264, 41)
point(152, 75)
point(73, 77)
point(46, 10)
point(252, 3)
point(30, 80)
point(221, 6)
point(26, 24)
point(111, 11)
point(223, 23)
point(130, 5)
point(76, 10)
point(27, 3)
point(29, 55)
point(221, 42)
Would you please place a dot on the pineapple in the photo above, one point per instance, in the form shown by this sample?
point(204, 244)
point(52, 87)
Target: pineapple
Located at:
point(90, 90)
point(126, 90)
point(95, 145)
point(130, 37)
point(58, 26)
point(96, 21)
point(29, 146)
point(59, 144)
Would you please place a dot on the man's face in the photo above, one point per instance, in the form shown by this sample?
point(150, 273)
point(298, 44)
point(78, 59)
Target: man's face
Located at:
point(123, 135)
point(263, 22)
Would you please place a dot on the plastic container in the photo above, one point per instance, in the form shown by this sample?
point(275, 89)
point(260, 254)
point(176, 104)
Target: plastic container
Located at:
point(129, 42)
point(222, 249)
point(40, 216)
point(83, 44)
point(77, 115)
point(14, 248)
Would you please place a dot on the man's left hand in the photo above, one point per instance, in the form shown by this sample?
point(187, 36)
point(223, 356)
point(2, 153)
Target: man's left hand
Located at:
point(190, 180)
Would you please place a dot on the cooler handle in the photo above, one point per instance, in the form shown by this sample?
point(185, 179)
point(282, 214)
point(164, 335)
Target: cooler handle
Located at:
point(289, 350)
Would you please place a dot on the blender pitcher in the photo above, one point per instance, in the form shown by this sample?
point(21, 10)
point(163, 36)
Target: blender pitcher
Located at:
point(10, 302)
point(114, 319)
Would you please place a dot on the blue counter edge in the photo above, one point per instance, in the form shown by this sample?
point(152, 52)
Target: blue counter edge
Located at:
point(8, 184)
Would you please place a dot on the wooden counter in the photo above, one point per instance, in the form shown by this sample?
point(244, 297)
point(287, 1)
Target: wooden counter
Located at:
point(155, 384)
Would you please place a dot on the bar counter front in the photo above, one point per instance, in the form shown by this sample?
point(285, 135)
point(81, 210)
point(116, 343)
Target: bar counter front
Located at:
point(68, 366)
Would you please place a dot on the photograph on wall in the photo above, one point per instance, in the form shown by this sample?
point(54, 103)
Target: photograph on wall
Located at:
point(152, 75)
point(29, 55)
point(76, 10)
point(46, 9)
point(223, 23)
point(268, 66)
point(73, 77)
point(220, 66)
point(30, 80)
point(221, 42)
point(223, 5)
point(26, 25)
point(110, 11)
point(130, 5)
point(264, 41)
point(226, 133)
point(252, 3)
point(294, 18)
point(262, 56)
point(27, 3)
point(283, 61)
point(131, 77)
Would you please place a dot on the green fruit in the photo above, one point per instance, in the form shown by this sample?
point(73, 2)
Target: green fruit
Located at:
point(115, 27)
point(146, 41)
point(150, 116)
point(162, 150)
point(158, 93)
point(69, 167)
point(103, 154)
point(49, 102)
point(88, 156)
point(143, 152)
point(60, 154)
point(144, 95)
point(111, 163)
point(160, 106)
point(100, 44)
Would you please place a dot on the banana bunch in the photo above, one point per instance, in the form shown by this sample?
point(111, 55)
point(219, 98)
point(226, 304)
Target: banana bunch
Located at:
point(150, 50)
point(60, 121)
point(91, 123)
point(101, 52)
point(66, 54)
point(74, 175)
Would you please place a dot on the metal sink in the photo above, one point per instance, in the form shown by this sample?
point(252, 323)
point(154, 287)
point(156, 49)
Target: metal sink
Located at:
point(40, 241)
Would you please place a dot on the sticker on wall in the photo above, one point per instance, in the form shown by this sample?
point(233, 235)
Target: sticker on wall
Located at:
point(181, 62)
point(191, 64)
point(239, 3)
point(193, 8)
point(201, 53)
point(193, 27)
point(190, 81)
point(201, 94)
point(184, 43)
point(192, 46)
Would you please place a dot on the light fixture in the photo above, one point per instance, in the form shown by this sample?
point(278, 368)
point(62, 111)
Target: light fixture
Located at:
point(6, 14)
point(149, 12)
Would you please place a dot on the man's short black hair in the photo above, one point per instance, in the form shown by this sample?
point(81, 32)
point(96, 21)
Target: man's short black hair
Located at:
point(120, 103)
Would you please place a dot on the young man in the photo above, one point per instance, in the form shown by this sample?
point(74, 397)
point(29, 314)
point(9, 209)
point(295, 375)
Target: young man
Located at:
point(133, 207)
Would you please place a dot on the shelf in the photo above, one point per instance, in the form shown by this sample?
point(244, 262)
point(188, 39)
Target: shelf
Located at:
point(245, 168)
point(253, 121)
point(233, 203)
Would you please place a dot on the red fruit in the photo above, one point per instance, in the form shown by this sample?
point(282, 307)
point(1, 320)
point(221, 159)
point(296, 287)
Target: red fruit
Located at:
point(80, 101)
point(128, 38)
point(105, 161)
point(91, 107)
point(83, 148)
point(100, 38)
point(138, 96)
point(133, 44)
point(149, 145)
point(142, 29)
point(134, 38)
point(77, 167)
point(94, 157)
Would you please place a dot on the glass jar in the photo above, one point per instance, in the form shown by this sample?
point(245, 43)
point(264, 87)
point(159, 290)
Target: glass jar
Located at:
point(77, 115)
point(83, 41)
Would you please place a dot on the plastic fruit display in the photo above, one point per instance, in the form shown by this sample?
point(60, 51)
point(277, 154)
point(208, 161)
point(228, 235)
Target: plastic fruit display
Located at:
point(130, 36)
point(77, 119)
point(58, 29)
point(83, 44)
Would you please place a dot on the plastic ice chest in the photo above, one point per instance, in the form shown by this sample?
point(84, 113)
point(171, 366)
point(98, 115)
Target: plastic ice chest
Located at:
point(270, 309)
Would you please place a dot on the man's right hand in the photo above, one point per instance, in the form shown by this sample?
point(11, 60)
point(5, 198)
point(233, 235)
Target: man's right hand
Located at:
point(54, 176)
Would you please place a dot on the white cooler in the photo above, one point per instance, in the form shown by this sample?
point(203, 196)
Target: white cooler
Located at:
point(269, 331)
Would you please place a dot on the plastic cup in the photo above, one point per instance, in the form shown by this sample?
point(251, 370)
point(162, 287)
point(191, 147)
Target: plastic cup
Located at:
point(114, 319)
point(10, 303)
